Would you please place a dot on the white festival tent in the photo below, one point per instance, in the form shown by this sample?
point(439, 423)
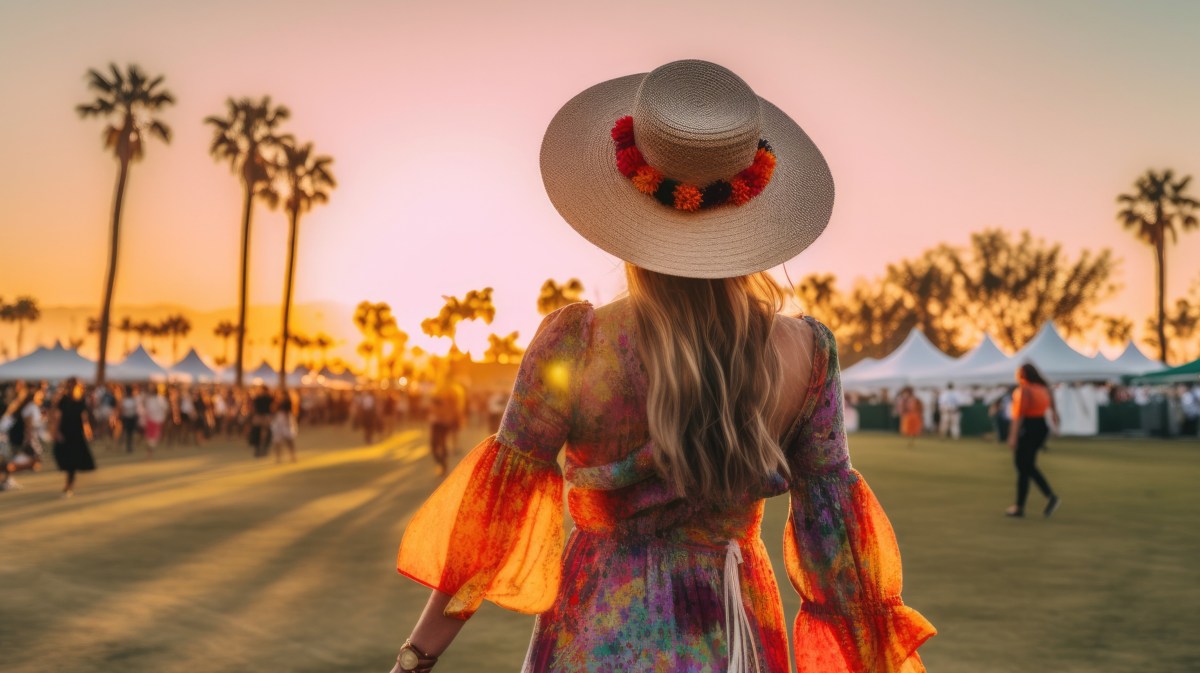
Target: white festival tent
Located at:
point(986, 354)
point(861, 367)
point(138, 366)
point(51, 364)
point(915, 356)
point(264, 373)
point(1053, 357)
point(192, 368)
point(1133, 362)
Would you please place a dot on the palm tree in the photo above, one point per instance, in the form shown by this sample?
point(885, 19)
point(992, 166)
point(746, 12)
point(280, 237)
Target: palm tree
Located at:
point(1159, 206)
point(309, 182)
point(125, 327)
point(176, 326)
point(475, 305)
point(248, 139)
point(376, 322)
point(224, 330)
point(554, 296)
point(1117, 329)
point(502, 349)
point(23, 310)
point(323, 342)
point(128, 100)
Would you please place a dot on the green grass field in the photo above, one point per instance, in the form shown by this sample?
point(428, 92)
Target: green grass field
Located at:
point(204, 560)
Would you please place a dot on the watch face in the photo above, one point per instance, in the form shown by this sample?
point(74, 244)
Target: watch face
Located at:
point(408, 659)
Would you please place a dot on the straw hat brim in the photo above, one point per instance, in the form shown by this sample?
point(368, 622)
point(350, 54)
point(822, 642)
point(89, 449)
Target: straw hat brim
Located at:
point(579, 171)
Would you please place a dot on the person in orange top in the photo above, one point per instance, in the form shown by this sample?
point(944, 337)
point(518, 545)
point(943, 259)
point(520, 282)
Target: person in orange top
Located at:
point(912, 415)
point(1032, 401)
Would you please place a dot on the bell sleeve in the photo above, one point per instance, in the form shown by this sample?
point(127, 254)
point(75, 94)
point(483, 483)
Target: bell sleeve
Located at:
point(494, 528)
point(839, 548)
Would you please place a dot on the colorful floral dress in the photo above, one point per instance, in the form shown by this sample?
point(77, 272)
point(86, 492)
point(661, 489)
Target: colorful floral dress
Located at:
point(650, 581)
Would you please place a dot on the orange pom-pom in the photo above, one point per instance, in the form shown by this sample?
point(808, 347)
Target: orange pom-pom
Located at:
point(740, 193)
point(687, 197)
point(647, 179)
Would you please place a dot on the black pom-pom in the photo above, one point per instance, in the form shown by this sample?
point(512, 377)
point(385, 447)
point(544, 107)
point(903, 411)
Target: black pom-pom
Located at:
point(715, 194)
point(666, 192)
point(764, 145)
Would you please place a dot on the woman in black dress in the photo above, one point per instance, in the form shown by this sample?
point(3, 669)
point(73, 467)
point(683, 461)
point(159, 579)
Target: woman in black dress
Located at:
point(72, 432)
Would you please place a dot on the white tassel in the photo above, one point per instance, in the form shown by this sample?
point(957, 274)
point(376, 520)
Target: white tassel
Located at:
point(743, 657)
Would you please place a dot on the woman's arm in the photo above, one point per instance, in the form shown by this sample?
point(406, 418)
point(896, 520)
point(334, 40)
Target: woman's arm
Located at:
point(434, 630)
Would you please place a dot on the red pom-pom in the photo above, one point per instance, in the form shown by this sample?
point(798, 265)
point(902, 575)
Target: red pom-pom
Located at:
point(629, 160)
point(740, 192)
point(687, 197)
point(622, 132)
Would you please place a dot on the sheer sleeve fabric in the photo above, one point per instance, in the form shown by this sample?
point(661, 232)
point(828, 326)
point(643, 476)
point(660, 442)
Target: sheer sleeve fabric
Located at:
point(494, 529)
point(839, 548)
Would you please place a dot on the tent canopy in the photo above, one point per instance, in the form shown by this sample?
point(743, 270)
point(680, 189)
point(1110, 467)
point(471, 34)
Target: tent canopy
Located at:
point(1132, 361)
point(987, 354)
point(52, 364)
point(138, 366)
point(192, 368)
point(914, 356)
point(1189, 372)
point(1053, 357)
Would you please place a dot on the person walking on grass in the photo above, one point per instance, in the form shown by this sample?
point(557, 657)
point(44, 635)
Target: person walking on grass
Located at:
point(1032, 403)
point(157, 410)
point(283, 426)
point(682, 407)
point(72, 433)
point(911, 411)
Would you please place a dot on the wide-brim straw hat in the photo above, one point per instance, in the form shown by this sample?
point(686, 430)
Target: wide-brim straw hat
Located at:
point(695, 122)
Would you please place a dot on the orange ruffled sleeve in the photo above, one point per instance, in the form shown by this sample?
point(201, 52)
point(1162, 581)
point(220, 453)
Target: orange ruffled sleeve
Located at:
point(494, 528)
point(840, 550)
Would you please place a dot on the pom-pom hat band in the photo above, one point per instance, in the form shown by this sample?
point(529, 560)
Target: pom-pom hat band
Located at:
point(697, 123)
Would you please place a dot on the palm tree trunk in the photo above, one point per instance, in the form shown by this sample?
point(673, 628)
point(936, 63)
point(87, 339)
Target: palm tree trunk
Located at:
point(110, 277)
point(20, 334)
point(241, 324)
point(1160, 264)
point(287, 295)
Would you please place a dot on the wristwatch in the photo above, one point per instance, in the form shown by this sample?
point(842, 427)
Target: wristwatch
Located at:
point(412, 660)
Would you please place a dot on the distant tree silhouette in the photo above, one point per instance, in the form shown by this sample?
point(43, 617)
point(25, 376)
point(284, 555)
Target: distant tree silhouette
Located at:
point(323, 342)
point(248, 138)
point(475, 305)
point(818, 296)
point(125, 327)
point(309, 182)
point(1159, 206)
point(502, 349)
point(23, 310)
point(554, 296)
point(1118, 330)
point(376, 322)
point(129, 100)
point(176, 326)
point(224, 330)
point(1182, 327)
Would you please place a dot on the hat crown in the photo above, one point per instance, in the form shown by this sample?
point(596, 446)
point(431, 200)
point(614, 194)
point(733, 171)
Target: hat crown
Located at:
point(696, 122)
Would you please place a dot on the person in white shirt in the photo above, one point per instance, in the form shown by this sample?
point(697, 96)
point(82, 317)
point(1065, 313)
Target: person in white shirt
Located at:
point(156, 408)
point(950, 412)
point(1189, 400)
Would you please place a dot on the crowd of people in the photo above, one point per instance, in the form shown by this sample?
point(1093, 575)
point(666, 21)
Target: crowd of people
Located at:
point(68, 419)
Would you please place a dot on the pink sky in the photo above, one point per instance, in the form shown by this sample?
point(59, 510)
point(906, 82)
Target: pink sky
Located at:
point(937, 119)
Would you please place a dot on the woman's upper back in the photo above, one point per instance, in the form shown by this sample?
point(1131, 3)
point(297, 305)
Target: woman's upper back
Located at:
point(582, 384)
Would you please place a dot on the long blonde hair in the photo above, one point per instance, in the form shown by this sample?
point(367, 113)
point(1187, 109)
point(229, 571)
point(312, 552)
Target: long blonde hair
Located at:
point(713, 374)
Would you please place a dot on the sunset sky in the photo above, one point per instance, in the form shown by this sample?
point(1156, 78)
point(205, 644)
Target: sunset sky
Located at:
point(938, 118)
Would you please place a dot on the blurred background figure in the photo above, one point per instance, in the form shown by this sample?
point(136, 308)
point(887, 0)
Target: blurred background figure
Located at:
point(72, 433)
point(911, 411)
point(1032, 404)
point(283, 426)
point(950, 403)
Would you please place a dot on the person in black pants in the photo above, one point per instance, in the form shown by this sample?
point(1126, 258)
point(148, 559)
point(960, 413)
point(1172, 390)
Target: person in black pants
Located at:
point(1032, 401)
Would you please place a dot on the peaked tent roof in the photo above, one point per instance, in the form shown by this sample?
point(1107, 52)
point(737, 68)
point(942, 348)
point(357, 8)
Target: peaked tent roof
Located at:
point(1053, 357)
point(859, 368)
point(914, 356)
point(138, 366)
point(54, 364)
point(987, 354)
point(264, 372)
point(193, 368)
point(1132, 361)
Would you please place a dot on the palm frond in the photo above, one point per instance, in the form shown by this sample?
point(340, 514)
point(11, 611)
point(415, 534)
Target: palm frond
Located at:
point(118, 78)
point(98, 82)
point(161, 130)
